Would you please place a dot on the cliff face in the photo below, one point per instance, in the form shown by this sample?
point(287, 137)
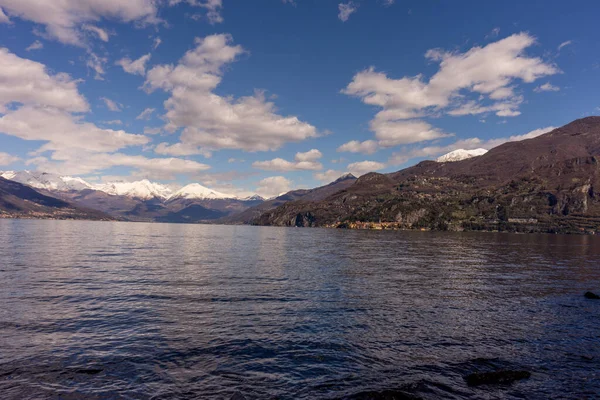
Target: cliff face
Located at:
point(545, 184)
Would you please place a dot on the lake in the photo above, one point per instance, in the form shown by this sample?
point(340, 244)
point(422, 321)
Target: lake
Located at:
point(139, 311)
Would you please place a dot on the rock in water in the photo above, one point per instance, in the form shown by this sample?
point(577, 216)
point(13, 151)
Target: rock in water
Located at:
point(590, 295)
point(496, 377)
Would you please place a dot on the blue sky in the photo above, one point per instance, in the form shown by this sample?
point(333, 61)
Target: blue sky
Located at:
point(264, 96)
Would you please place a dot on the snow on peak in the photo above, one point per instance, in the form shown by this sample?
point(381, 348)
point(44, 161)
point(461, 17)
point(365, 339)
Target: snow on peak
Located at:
point(143, 189)
point(47, 181)
point(197, 191)
point(461, 154)
point(255, 197)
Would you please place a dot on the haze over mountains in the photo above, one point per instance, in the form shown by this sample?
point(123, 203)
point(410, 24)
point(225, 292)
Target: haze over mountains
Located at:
point(545, 184)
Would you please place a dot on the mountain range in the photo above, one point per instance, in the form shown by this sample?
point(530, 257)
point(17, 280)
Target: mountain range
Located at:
point(136, 201)
point(21, 201)
point(548, 183)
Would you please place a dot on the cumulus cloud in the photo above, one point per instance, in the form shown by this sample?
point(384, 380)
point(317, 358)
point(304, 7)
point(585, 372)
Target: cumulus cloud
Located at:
point(362, 167)
point(546, 87)
point(214, 122)
point(345, 10)
point(69, 162)
point(354, 146)
point(28, 82)
point(481, 80)
point(111, 104)
point(66, 20)
point(328, 176)
point(62, 130)
point(47, 108)
point(302, 162)
point(273, 186)
point(7, 159)
point(146, 114)
point(134, 67)
point(37, 45)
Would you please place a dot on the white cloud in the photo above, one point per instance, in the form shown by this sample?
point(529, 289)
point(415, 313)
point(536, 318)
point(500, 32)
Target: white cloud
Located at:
point(4, 18)
point(273, 186)
point(146, 114)
point(408, 154)
point(363, 167)
point(311, 155)
point(212, 7)
point(81, 163)
point(546, 87)
point(152, 131)
point(215, 122)
point(388, 3)
point(564, 44)
point(111, 104)
point(493, 34)
point(37, 45)
point(156, 42)
point(179, 149)
point(354, 146)
point(96, 63)
point(7, 159)
point(481, 80)
point(302, 162)
point(64, 20)
point(45, 112)
point(134, 67)
point(345, 10)
point(114, 122)
point(101, 33)
point(28, 82)
point(328, 176)
point(62, 130)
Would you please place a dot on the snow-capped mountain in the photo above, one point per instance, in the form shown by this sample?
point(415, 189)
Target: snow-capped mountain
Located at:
point(141, 190)
point(47, 181)
point(255, 197)
point(461, 154)
point(197, 191)
point(144, 189)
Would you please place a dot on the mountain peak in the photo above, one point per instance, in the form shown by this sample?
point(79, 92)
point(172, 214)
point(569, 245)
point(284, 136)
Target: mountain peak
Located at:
point(197, 191)
point(461, 154)
point(143, 189)
point(345, 177)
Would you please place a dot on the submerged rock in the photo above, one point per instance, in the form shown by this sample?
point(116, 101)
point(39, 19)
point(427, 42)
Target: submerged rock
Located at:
point(496, 377)
point(590, 295)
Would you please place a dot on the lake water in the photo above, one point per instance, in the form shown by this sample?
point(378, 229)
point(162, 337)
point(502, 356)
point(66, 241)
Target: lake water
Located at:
point(131, 310)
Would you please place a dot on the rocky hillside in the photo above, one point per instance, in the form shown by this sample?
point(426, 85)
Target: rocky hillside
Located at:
point(21, 201)
point(317, 194)
point(545, 184)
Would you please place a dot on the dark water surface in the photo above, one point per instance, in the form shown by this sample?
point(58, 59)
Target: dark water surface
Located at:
point(127, 310)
